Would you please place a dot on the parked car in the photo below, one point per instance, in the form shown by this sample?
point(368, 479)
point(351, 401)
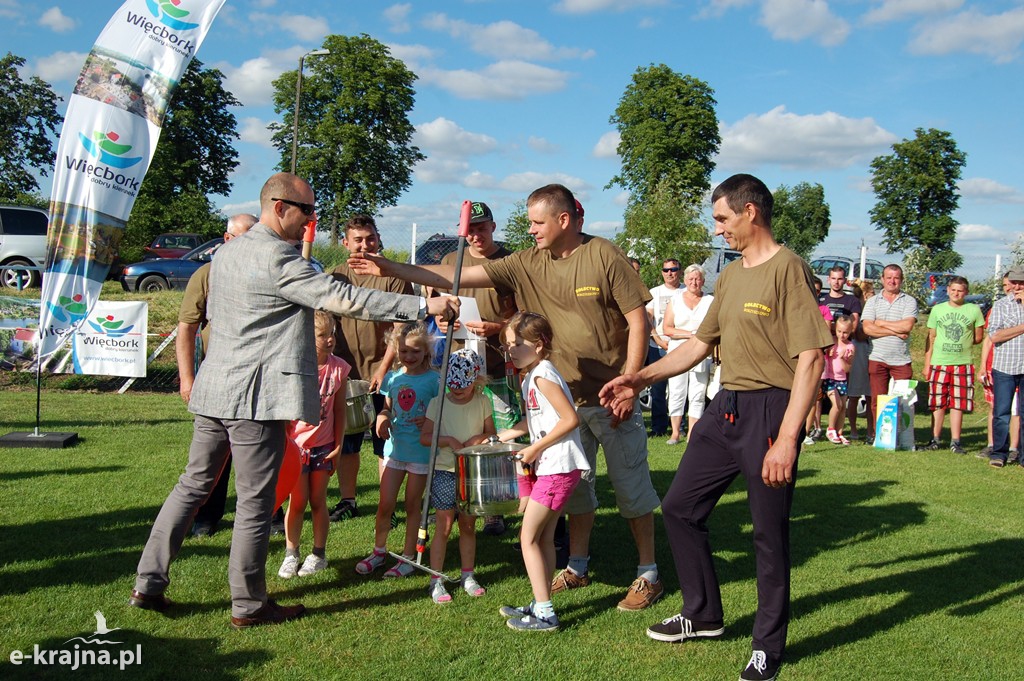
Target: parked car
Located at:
point(161, 274)
point(22, 242)
point(150, 276)
point(171, 246)
point(713, 266)
point(821, 266)
point(933, 292)
point(436, 247)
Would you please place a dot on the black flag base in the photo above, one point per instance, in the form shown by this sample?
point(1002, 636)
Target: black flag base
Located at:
point(39, 440)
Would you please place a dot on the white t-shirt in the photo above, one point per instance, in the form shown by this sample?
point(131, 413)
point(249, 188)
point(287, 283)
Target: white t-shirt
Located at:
point(566, 455)
point(689, 320)
point(660, 297)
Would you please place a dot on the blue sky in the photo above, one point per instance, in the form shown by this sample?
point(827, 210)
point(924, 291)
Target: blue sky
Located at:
point(515, 94)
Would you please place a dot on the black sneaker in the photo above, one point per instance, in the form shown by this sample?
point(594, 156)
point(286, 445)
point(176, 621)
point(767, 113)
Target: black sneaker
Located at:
point(678, 628)
point(760, 668)
point(932, 445)
point(985, 453)
point(345, 510)
point(996, 462)
point(1014, 456)
point(956, 448)
point(494, 525)
point(277, 523)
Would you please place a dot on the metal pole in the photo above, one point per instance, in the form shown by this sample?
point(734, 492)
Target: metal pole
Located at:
point(298, 97)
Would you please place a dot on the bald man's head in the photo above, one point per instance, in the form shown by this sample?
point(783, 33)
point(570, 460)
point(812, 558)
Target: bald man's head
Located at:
point(239, 225)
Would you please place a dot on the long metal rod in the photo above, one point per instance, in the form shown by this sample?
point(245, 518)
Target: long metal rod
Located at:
point(421, 538)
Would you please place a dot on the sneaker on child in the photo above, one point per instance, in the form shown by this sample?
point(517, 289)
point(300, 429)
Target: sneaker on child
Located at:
point(534, 623)
point(312, 565)
point(289, 567)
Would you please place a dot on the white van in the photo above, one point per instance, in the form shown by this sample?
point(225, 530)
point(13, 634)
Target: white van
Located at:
point(22, 242)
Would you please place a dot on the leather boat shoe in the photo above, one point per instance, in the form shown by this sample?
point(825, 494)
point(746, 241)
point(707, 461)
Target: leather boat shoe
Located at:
point(156, 602)
point(271, 613)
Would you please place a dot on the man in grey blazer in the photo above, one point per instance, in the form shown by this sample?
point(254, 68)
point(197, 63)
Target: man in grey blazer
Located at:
point(259, 374)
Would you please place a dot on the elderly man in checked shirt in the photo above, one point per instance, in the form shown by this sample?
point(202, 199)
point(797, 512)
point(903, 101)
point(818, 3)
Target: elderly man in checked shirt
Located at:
point(1006, 331)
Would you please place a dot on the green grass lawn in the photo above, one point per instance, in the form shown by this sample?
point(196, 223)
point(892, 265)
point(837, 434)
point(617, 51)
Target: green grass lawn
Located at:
point(906, 566)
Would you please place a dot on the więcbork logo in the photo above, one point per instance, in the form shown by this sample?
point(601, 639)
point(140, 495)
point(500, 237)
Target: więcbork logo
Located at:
point(110, 326)
point(87, 653)
point(68, 310)
point(170, 14)
point(104, 147)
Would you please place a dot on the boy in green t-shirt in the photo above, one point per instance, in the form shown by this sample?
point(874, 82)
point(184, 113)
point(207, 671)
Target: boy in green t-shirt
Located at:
point(954, 328)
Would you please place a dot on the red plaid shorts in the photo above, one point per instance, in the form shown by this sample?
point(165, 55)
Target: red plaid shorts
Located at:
point(951, 387)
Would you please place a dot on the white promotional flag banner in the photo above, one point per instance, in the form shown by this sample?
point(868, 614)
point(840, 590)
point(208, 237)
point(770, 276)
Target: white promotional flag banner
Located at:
point(112, 341)
point(110, 133)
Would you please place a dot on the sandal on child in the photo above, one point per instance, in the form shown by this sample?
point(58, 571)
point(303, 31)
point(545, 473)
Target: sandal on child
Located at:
point(400, 569)
point(843, 440)
point(370, 563)
point(833, 437)
point(438, 593)
point(473, 587)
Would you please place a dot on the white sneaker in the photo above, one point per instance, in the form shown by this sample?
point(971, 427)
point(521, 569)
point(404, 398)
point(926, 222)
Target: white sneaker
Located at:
point(312, 565)
point(289, 568)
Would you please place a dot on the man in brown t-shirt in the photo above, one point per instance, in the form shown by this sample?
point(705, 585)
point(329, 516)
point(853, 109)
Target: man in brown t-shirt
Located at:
point(192, 318)
point(766, 320)
point(363, 345)
point(595, 303)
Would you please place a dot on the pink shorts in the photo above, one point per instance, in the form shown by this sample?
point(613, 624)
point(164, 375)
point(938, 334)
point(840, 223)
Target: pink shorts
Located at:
point(552, 491)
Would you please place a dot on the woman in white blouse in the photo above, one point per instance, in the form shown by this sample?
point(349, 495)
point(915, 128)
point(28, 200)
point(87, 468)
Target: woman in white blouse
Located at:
point(682, 319)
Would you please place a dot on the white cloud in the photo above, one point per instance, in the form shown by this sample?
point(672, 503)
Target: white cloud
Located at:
point(60, 66)
point(541, 145)
point(894, 10)
point(797, 20)
point(990, 191)
point(983, 233)
point(817, 141)
point(441, 170)
point(998, 36)
point(412, 55)
point(253, 81)
point(525, 182)
point(10, 9)
point(589, 6)
point(306, 28)
point(56, 20)
point(607, 146)
point(264, 3)
point(254, 130)
point(501, 80)
point(398, 17)
point(503, 39)
point(444, 137)
point(716, 8)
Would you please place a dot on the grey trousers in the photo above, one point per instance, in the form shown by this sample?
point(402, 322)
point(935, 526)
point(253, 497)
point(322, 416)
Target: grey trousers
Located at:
point(257, 448)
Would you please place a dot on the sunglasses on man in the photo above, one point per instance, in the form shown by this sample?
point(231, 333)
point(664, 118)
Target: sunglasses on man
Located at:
point(306, 208)
point(669, 269)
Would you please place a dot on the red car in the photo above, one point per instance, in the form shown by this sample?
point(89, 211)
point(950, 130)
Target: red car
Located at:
point(171, 246)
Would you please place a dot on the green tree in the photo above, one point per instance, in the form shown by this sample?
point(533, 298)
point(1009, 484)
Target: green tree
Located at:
point(664, 226)
point(800, 218)
point(669, 134)
point(194, 158)
point(29, 123)
point(516, 235)
point(354, 130)
point(916, 191)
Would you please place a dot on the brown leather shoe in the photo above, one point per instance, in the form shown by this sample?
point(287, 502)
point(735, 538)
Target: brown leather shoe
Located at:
point(642, 594)
point(271, 613)
point(567, 579)
point(156, 602)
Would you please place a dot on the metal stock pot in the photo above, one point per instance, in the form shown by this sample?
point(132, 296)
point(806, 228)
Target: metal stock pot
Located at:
point(358, 407)
point(487, 478)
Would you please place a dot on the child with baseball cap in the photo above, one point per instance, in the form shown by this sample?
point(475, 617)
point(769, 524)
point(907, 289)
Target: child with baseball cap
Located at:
point(466, 420)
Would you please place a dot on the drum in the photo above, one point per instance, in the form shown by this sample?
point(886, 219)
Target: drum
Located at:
point(486, 476)
point(358, 407)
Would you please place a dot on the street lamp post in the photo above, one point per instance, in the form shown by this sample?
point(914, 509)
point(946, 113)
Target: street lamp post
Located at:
point(298, 96)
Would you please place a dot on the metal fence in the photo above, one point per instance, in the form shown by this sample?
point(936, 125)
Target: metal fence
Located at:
point(415, 244)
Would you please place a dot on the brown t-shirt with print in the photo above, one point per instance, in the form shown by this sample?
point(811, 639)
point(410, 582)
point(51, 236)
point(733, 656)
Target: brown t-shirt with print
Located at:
point(362, 343)
point(493, 306)
point(585, 297)
point(764, 317)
